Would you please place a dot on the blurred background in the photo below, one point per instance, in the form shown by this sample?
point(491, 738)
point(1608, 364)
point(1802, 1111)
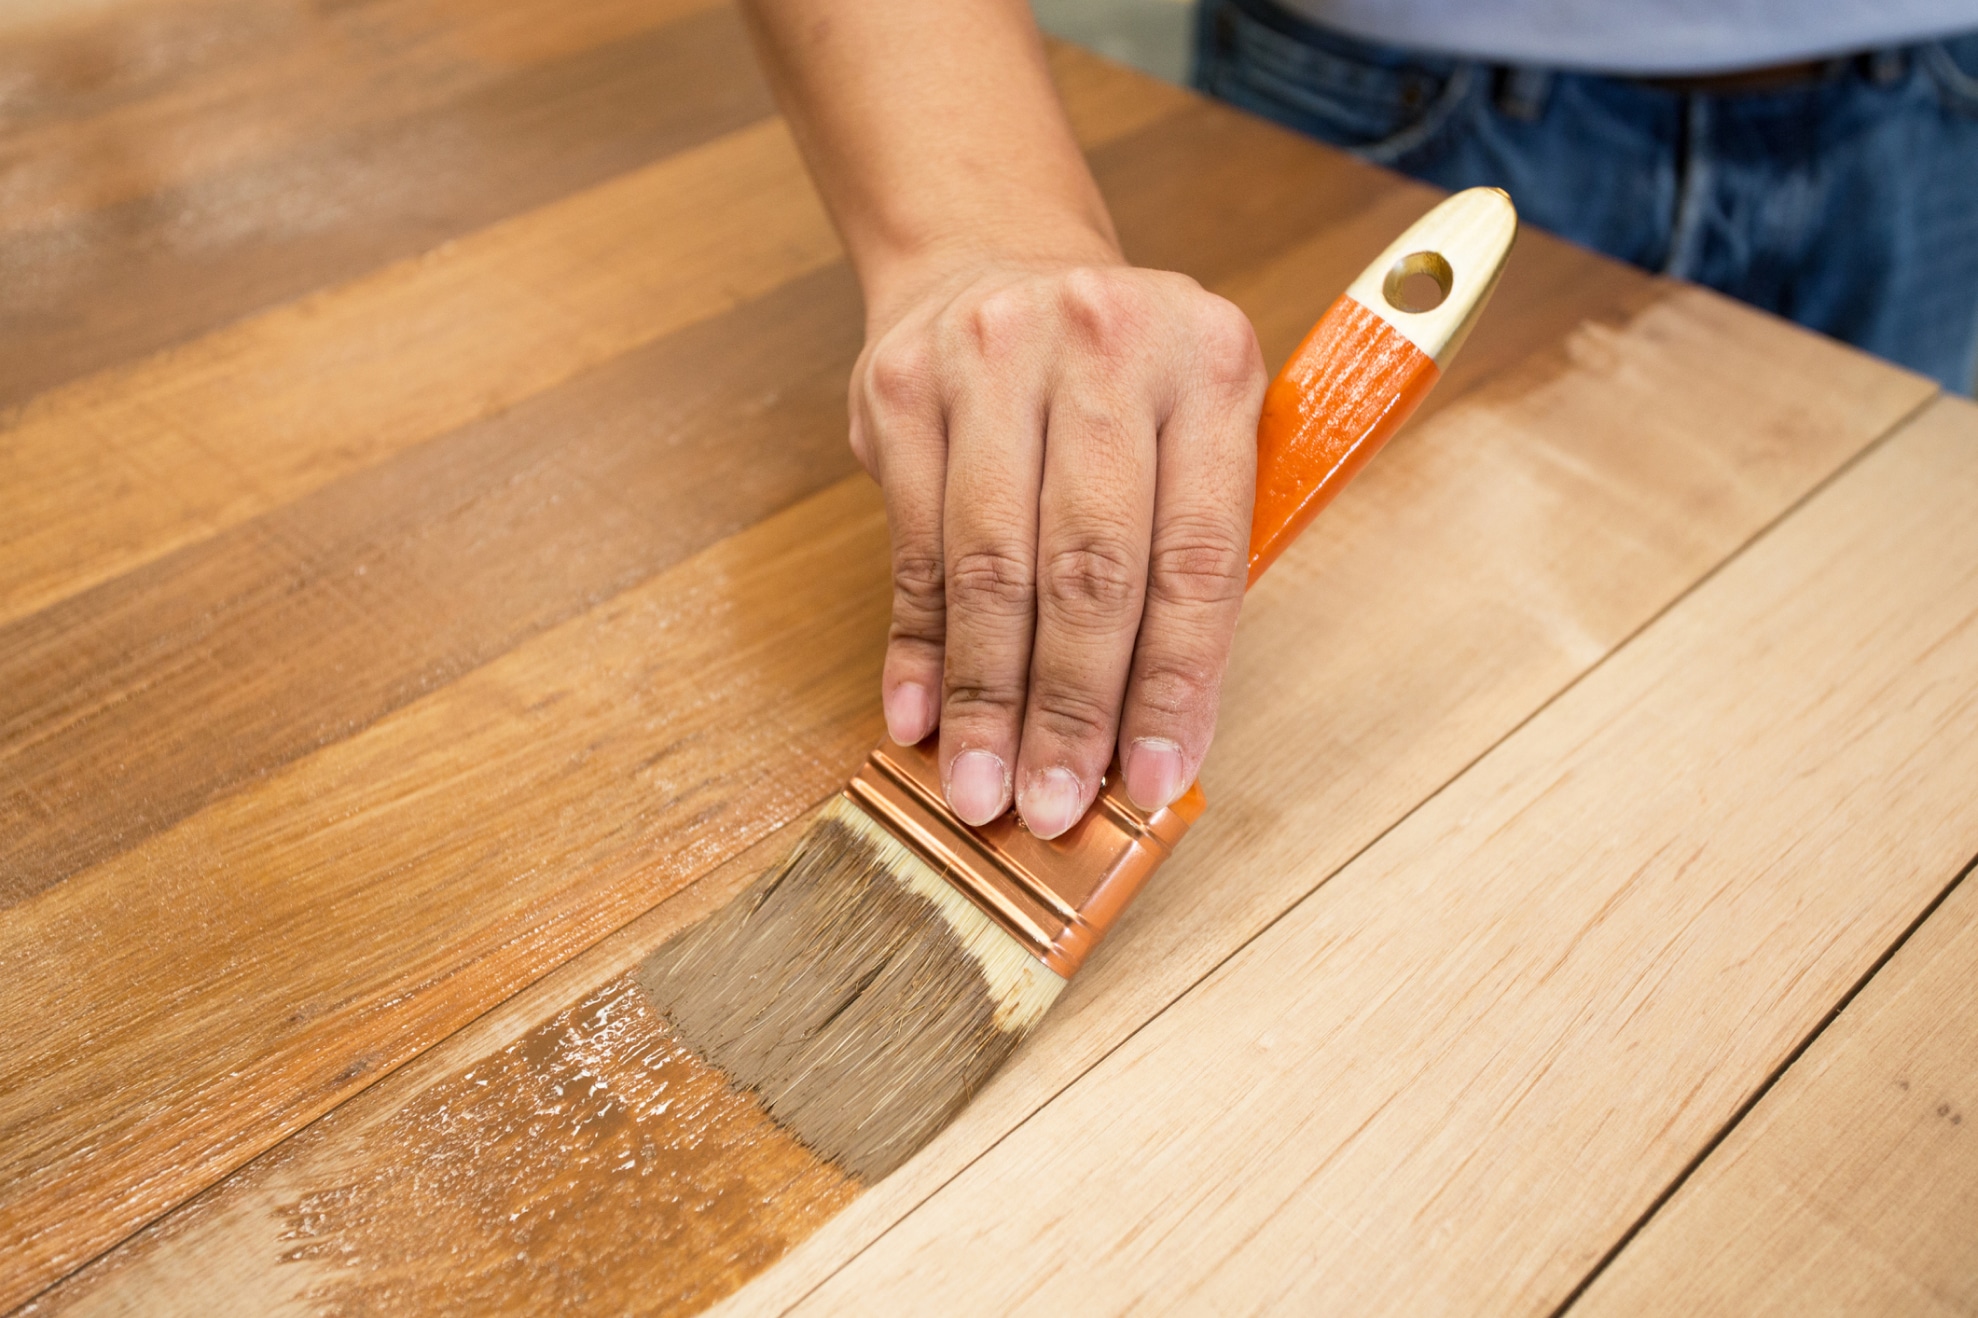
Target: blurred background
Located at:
point(1150, 35)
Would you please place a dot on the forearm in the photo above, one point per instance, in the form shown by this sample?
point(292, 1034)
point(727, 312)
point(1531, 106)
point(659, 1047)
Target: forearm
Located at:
point(935, 136)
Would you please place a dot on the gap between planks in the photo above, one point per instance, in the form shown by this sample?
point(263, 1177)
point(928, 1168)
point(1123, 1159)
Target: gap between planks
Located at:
point(1431, 1148)
point(1850, 1182)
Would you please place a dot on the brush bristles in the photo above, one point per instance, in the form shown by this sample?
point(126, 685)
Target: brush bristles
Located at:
point(859, 995)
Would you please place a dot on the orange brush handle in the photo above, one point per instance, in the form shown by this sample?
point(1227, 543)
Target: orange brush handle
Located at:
point(1371, 360)
point(1343, 394)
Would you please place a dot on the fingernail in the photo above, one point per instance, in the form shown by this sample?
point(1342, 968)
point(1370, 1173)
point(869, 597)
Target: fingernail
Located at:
point(977, 786)
point(1051, 802)
point(1153, 772)
point(909, 713)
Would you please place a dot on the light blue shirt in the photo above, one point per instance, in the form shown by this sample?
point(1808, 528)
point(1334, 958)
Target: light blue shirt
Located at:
point(1643, 36)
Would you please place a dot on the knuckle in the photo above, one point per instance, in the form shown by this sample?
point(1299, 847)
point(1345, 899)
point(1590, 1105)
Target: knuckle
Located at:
point(1103, 312)
point(996, 325)
point(1196, 564)
point(1176, 687)
point(1097, 574)
point(990, 580)
point(1072, 715)
point(1228, 345)
point(899, 374)
point(919, 586)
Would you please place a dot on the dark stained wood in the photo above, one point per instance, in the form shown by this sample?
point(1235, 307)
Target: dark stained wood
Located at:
point(344, 605)
point(474, 541)
point(152, 270)
point(264, 410)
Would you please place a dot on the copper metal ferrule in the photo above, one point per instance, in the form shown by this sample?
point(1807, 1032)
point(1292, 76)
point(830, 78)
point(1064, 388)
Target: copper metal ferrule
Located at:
point(1055, 897)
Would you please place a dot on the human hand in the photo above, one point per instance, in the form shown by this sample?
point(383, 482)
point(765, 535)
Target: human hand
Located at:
point(1068, 455)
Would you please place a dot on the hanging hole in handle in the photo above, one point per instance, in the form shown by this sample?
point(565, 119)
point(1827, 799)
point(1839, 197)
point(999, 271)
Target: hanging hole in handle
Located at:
point(1419, 281)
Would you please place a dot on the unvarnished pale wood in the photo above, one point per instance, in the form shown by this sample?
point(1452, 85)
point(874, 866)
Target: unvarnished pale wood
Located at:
point(1416, 521)
point(1451, 1078)
point(1493, 554)
point(1852, 1188)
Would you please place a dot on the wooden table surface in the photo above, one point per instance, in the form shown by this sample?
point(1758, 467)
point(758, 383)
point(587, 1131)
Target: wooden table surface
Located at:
point(432, 573)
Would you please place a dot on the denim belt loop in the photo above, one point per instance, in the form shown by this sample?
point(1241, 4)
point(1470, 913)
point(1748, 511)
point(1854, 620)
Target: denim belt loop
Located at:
point(1522, 91)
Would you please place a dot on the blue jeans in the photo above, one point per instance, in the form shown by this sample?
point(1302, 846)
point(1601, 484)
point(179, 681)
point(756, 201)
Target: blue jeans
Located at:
point(1849, 204)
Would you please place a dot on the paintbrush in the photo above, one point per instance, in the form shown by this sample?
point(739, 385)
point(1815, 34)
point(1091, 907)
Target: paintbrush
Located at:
point(864, 989)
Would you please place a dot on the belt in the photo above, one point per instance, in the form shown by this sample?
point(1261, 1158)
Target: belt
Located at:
point(1775, 77)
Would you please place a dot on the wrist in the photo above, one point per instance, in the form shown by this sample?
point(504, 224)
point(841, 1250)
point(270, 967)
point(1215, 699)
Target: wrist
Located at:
point(898, 275)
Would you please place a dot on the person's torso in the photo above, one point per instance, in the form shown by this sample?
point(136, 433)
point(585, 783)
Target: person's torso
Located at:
point(1642, 36)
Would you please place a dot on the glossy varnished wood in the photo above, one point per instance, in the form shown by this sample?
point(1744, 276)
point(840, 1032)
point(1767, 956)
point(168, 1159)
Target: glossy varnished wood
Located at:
point(400, 595)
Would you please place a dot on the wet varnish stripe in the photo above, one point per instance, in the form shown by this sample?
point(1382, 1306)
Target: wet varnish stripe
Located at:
point(596, 1165)
point(593, 1165)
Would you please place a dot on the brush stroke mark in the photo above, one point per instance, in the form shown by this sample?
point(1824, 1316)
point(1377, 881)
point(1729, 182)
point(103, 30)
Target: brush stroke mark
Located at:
point(593, 1164)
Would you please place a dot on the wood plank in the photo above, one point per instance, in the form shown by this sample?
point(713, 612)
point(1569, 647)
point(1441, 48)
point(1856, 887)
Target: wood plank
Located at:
point(108, 473)
point(180, 260)
point(1852, 1187)
point(112, 471)
point(1450, 1079)
point(305, 544)
point(1446, 558)
point(373, 897)
point(145, 99)
point(308, 622)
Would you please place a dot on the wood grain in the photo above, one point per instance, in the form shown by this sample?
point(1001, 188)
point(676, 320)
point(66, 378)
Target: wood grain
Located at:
point(1852, 1188)
point(346, 377)
point(264, 411)
point(106, 107)
point(1493, 554)
point(366, 1140)
point(190, 254)
point(369, 654)
point(385, 583)
point(297, 628)
point(1456, 1074)
point(1646, 521)
point(376, 895)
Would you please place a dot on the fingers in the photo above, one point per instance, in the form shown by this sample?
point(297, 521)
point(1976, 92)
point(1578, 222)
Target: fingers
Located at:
point(995, 451)
point(898, 434)
point(1095, 514)
point(1068, 460)
point(1197, 562)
